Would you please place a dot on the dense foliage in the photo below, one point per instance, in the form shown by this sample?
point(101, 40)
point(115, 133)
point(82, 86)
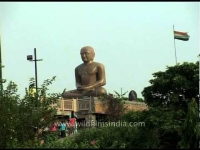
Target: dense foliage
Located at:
point(114, 107)
point(20, 118)
point(174, 94)
point(173, 87)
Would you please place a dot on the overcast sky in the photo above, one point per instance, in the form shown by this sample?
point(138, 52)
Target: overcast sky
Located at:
point(132, 39)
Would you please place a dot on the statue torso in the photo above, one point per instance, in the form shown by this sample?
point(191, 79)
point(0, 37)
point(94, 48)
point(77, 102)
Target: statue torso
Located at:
point(88, 73)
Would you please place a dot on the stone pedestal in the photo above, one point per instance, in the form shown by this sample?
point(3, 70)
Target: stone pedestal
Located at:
point(91, 120)
point(85, 106)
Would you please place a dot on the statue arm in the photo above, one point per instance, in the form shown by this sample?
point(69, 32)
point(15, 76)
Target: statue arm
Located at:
point(101, 75)
point(78, 80)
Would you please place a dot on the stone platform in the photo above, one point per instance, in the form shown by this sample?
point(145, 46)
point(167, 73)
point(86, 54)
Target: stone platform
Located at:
point(90, 106)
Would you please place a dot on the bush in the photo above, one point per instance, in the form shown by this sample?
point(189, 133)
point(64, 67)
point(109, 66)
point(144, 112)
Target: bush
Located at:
point(108, 137)
point(21, 119)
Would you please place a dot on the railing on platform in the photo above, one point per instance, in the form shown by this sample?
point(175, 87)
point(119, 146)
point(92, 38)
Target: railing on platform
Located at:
point(84, 104)
point(92, 104)
point(68, 104)
point(75, 104)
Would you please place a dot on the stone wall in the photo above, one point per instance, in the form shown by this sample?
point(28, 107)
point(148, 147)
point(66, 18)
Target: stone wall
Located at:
point(100, 106)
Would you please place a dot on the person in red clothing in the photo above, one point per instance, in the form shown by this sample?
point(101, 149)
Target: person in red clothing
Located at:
point(73, 115)
point(72, 123)
point(53, 130)
point(53, 127)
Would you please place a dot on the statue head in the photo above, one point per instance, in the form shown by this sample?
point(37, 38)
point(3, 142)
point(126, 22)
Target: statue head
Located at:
point(87, 54)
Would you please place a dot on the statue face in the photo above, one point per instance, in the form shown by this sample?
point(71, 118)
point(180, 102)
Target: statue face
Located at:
point(87, 55)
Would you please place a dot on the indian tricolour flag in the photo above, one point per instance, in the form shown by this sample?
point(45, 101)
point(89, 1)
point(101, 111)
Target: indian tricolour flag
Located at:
point(181, 36)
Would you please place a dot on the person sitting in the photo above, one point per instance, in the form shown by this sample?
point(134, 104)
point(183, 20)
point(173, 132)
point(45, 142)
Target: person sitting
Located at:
point(90, 76)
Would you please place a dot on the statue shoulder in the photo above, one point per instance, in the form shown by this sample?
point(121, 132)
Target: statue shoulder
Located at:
point(79, 66)
point(99, 64)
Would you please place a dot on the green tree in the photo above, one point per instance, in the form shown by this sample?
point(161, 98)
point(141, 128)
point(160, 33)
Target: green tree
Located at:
point(168, 95)
point(160, 124)
point(20, 117)
point(140, 100)
point(121, 96)
point(173, 87)
point(8, 110)
point(190, 128)
point(114, 106)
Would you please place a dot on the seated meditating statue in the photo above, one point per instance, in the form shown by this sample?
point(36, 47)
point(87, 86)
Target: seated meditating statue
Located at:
point(90, 76)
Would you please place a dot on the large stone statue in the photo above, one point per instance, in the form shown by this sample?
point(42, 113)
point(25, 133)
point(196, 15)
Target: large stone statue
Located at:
point(90, 76)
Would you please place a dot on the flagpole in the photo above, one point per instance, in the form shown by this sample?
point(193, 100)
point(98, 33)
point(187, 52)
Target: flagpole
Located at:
point(175, 46)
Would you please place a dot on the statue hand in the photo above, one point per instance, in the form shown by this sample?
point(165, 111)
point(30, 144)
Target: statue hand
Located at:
point(84, 88)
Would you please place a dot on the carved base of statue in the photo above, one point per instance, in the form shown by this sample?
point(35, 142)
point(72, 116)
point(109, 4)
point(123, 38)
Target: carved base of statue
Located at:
point(80, 93)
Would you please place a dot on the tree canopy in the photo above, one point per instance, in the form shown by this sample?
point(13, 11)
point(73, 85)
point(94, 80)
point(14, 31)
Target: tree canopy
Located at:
point(176, 85)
